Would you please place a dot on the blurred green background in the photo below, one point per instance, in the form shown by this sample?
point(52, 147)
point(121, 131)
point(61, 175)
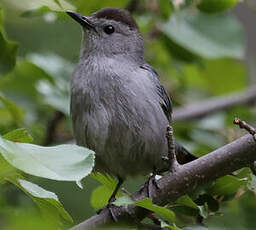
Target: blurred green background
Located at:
point(198, 54)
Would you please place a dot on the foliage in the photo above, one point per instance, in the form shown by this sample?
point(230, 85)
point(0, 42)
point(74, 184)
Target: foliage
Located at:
point(198, 48)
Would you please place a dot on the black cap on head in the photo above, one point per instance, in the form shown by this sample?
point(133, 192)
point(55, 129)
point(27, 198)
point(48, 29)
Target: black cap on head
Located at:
point(117, 14)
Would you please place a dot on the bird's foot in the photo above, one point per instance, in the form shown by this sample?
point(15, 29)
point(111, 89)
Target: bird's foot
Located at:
point(150, 184)
point(111, 208)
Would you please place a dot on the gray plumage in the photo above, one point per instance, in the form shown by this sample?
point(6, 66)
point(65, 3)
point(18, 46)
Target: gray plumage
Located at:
point(118, 106)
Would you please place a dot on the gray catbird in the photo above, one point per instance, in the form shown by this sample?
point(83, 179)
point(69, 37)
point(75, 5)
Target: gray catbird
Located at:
point(119, 108)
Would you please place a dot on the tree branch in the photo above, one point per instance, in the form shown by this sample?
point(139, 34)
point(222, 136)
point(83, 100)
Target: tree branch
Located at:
point(215, 104)
point(238, 154)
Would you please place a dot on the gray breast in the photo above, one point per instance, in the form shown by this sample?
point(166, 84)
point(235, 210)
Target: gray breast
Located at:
point(118, 115)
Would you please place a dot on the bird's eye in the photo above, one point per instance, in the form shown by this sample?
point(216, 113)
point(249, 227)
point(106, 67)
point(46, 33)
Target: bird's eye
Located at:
point(109, 29)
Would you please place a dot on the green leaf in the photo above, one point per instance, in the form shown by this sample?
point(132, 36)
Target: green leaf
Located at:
point(203, 210)
point(58, 3)
point(22, 85)
point(246, 173)
point(14, 110)
point(105, 179)
point(147, 203)
point(208, 76)
point(47, 201)
point(215, 6)
point(124, 200)
point(227, 185)
point(209, 36)
point(196, 227)
point(54, 5)
point(63, 162)
point(252, 182)
point(162, 211)
point(24, 79)
point(7, 171)
point(56, 95)
point(100, 196)
point(7, 54)
point(8, 50)
point(212, 204)
point(19, 135)
point(164, 225)
point(88, 7)
point(1, 18)
point(187, 201)
point(40, 11)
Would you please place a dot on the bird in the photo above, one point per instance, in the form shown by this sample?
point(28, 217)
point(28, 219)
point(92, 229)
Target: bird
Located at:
point(119, 107)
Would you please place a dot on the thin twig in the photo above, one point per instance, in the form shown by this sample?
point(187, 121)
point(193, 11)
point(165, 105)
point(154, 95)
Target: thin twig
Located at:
point(155, 219)
point(125, 191)
point(171, 149)
point(252, 131)
point(247, 127)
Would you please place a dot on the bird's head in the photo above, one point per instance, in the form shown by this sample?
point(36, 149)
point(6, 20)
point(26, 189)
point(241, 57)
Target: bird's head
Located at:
point(111, 32)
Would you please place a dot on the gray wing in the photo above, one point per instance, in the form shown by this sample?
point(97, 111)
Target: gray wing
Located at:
point(183, 155)
point(165, 101)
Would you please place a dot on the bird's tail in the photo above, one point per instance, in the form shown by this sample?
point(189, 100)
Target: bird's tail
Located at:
point(182, 154)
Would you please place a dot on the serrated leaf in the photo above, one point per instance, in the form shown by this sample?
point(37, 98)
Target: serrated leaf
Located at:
point(19, 135)
point(47, 201)
point(209, 36)
point(227, 185)
point(14, 110)
point(63, 162)
point(147, 203)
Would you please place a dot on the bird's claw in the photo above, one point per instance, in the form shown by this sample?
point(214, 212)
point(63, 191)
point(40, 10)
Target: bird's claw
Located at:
point(149, 185)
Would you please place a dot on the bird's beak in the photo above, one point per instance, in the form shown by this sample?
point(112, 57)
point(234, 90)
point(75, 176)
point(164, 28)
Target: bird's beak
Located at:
point(83, 20)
